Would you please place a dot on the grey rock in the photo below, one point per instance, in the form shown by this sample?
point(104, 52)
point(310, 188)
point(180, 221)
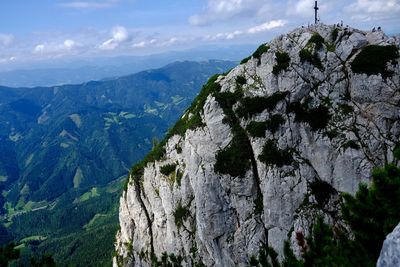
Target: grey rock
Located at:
point(390, 253)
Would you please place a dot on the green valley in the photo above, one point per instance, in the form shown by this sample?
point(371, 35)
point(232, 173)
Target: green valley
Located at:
point(65, 151)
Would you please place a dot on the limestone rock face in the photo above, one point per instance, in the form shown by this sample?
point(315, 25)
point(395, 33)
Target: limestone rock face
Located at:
point(390, 253)
point(334, 127)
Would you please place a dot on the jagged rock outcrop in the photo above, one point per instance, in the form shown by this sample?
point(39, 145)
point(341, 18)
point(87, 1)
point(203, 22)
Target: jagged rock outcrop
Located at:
point(265, 149)
point(390, 253)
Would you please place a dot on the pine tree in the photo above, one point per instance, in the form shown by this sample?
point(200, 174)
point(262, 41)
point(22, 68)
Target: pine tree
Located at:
point(371, 214)
point(374, 212)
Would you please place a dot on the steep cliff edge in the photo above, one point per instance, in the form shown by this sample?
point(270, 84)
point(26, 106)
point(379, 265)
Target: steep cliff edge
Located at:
point(264, 149)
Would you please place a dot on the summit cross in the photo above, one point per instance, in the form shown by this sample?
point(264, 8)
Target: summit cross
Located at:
point(316, 8)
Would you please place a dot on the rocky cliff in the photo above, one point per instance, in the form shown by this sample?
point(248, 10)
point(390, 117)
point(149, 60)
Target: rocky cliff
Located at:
point(265, 149)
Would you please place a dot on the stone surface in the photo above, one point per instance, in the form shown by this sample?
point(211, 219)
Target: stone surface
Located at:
point(390, 253)
point(221, 227)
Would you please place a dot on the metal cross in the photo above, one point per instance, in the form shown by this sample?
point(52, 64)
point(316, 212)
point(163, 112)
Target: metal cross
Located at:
point(316, 11)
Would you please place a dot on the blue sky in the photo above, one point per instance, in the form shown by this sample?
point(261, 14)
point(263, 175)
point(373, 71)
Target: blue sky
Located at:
point(55, 29)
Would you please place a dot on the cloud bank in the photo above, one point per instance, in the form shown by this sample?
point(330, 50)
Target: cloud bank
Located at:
point(210, 22)
point(88, 5)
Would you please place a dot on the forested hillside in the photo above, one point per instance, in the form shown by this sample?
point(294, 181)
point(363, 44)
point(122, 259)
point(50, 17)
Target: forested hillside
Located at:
point(64, 150)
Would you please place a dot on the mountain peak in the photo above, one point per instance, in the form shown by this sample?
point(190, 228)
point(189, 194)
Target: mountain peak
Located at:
point(265, 149)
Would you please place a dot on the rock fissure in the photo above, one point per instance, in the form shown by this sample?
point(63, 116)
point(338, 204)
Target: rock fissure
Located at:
point(138, 191)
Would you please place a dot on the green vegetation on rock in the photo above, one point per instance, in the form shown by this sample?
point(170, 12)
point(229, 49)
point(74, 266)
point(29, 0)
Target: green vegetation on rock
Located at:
point(250, 106)
point(273, 156)
point(167, 260)
point(322, 191)
point(396, 151)
point(373, 60)
point(274, 122)
point(168, 169)
point(178, 178)
point(234, 159)
point(318, 40)
point(306, 55)
point(245, 60)
point(318, 117)
point(257, 129)
point(155, 154)
point(334, 34)
point(267, 257)
point(257, 54)
point(260, 50)
point(259, 204)
point(240, 80)
point(351, 144)
point(181, 213)
point(282, 62)
point(192, 118)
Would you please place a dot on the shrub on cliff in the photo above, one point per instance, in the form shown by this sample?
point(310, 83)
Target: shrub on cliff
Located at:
point(371, 214)
point(283, 61)
point(373, 60)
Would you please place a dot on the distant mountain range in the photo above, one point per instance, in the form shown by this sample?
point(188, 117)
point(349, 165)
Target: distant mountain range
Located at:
point(63, 148)
point(57, 72)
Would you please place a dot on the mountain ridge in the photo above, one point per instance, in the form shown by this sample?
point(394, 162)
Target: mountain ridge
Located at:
point(58, 72)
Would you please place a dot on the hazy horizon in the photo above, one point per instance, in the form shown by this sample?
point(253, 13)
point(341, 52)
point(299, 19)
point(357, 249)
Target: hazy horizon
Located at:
point(57, 31)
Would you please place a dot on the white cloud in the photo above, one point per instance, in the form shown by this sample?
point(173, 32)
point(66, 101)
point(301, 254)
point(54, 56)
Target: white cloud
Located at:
point(374, 10)
point(267, 26)
point(253, 30)
point(39, 49)
point(119, 35)
point(110, 44)
point(6, 39)
point(146, 43)
point(169, 42)
point(88, 5)
point(141, 44)
point(56, 49)
point(217, 10)
point(69, 44)
point(7, 60)
point(233, 35)
point(223, 36)
point(376, 6)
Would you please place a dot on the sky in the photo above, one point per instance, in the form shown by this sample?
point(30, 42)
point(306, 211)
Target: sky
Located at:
point(33, 30)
